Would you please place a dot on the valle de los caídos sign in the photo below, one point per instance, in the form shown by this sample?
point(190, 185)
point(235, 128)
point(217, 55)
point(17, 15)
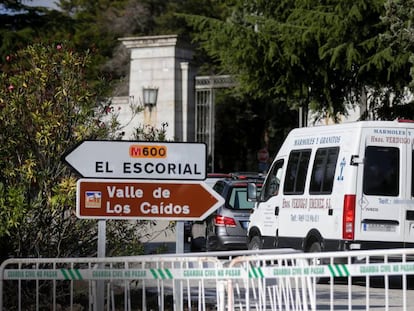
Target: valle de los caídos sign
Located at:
point(145, 199)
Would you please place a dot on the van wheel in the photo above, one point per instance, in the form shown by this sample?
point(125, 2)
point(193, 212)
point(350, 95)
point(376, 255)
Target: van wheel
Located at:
point(255, 243)
point(317, 248)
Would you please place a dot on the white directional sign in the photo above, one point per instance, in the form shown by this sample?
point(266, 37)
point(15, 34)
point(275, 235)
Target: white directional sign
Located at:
point(138, 160)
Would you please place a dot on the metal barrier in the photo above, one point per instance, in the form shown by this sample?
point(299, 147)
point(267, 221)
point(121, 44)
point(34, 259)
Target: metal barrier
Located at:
point(145, 282)
point(248, 280)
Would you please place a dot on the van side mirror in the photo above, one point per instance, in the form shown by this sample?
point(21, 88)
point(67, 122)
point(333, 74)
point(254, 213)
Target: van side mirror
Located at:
point(251, 192)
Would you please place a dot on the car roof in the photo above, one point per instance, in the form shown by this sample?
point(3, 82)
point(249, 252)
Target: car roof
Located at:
point(246, 175)
point(242, 180)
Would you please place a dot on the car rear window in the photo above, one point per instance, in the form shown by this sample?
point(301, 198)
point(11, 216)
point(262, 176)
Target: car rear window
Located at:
point(238, 199)
point(219, 187)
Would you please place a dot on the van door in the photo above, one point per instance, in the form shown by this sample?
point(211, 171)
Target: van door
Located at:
point(266, 215)
point(409, 213)
point(381, 188)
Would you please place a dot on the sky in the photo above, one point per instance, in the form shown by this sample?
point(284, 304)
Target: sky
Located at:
point(46, 3)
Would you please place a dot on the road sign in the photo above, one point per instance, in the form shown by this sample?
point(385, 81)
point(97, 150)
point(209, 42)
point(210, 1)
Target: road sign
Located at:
point(144, 199)
point(141, 160)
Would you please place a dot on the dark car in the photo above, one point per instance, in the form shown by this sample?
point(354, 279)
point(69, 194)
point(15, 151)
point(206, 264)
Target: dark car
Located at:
point(226, 228)
point(197, 241)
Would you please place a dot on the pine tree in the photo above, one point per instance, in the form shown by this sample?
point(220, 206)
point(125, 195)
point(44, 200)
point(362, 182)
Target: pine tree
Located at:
point(324, 54)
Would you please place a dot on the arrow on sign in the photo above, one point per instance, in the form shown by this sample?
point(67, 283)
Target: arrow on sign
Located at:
point(131, 199)
point(142, 160)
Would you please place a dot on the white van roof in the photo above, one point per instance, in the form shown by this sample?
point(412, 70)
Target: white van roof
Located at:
point(348, 131)
point(354, 125)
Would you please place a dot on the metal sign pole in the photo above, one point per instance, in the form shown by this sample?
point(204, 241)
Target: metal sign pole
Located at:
point(179, 244)
point(179, 249)
point(100, 285)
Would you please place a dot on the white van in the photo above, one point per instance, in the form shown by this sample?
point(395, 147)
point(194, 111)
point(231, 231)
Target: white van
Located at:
point(338, 187)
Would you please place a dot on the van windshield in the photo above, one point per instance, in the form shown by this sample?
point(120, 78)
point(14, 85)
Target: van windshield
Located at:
point(381, 171)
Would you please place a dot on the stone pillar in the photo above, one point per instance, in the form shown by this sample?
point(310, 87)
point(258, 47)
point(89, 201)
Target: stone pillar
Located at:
point(156, 61)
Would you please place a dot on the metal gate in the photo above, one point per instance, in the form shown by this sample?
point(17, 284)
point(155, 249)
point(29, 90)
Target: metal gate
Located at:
point(205, 88)
point(250, 280)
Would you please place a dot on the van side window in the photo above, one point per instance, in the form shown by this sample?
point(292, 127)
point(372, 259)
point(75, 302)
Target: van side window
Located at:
point(296, 170)
point(381, 171)
point(323, 171)
point(271, 186)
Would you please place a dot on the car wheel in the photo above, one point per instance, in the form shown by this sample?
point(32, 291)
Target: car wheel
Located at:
point(207, 245)
point(255, 243)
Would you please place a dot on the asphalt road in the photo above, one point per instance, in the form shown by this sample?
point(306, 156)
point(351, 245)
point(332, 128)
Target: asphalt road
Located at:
point(376, 291)
point(340, 296)
point(336, 297)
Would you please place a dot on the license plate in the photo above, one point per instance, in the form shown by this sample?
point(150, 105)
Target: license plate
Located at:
point(379, 227)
